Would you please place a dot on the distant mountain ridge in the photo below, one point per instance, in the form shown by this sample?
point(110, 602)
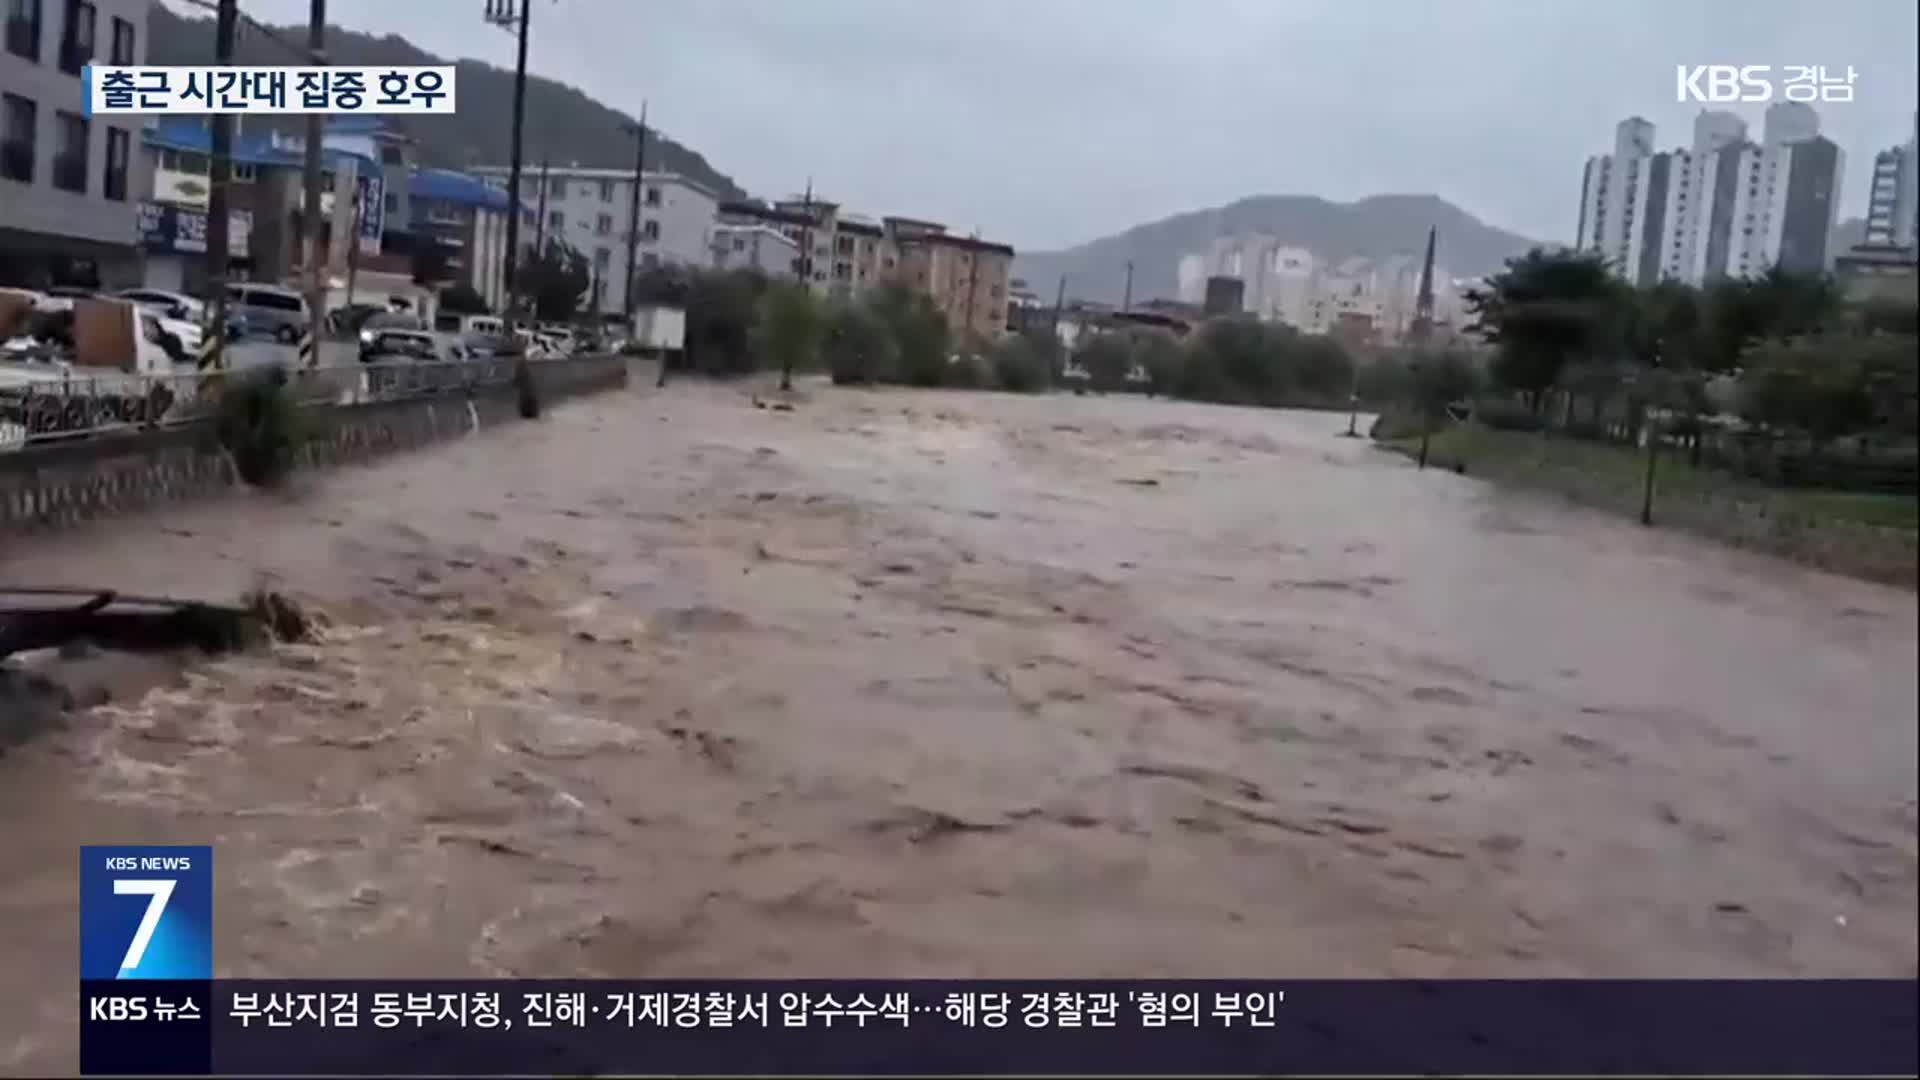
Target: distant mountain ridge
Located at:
point(1372, 227)
point(563, 124)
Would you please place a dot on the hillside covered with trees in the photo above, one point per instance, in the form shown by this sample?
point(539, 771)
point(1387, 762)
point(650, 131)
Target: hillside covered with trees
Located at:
point(563, 124)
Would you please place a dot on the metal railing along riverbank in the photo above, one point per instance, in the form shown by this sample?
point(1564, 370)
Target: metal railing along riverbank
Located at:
point(40, 407)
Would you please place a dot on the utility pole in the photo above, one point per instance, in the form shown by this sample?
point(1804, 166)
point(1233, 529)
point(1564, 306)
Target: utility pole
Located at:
point(316, 291)
point(973, 284)
point(353, 242)
point(1126, 300)
point(540, 216)
point(1058, 359)
point(220, 178)
point(806, 237)
point(633, 212)
point(501, 13)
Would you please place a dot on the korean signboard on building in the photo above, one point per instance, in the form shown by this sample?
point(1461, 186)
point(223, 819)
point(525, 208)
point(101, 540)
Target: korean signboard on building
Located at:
point(181, 230)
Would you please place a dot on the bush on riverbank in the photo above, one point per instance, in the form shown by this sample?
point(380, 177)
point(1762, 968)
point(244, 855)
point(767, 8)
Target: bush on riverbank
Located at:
point(259, 424)
point(1876, 537)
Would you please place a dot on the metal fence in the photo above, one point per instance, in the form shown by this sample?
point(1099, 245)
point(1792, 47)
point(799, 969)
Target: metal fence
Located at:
point(55, 406)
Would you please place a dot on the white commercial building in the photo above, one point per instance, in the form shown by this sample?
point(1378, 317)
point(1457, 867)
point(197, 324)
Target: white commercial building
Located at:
point(590, 211)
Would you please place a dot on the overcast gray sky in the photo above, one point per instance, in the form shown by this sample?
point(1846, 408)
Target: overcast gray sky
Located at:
point(1046, 123)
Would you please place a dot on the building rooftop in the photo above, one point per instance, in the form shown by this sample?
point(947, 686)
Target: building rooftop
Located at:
point(531, 172)
point(754, 211)
point(363, 124)
point(189, 134)
point(457, 187)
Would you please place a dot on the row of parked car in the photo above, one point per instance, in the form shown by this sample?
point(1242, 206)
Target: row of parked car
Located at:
point(386, 336)
point(252, 311)
point(256, 311)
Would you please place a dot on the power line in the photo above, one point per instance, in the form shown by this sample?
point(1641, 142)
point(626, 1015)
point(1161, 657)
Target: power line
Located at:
point(298, 50)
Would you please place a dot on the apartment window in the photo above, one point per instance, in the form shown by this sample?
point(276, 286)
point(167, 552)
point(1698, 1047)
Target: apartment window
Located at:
point(391, 155)
point(603, 224)
point(602, 258)
point(245, 174)
point(114, 183)
point(391, 202)
point(556, 220)
point(843, 245)
point(739, 243)
point(23, 29)
point(16, 152)
point(559, 188)
point(650, 230)
point(70, 152)
point(326, 182)
point(76, 47)
point(122, 42)
point(606, 191)
point(653, 196)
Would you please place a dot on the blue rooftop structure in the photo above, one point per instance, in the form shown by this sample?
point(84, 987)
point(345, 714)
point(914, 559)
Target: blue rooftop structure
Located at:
point(456, 187)
point(191, 135)
point(357, 124)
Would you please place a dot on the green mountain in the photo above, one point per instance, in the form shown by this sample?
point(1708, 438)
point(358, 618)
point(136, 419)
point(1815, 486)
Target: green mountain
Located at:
point(563, 124)
point(1373, 228)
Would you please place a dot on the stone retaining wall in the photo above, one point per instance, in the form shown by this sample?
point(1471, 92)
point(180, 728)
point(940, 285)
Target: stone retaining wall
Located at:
point(62, 484)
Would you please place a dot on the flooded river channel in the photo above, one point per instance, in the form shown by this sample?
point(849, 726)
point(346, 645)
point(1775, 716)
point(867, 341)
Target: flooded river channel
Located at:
point(946, 684)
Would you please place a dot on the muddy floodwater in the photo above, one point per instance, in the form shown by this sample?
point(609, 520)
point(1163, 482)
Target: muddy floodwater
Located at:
point(976, 685)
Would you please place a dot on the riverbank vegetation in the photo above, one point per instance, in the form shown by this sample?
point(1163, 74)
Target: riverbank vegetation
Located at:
point(740, 321)
point(1773, 412)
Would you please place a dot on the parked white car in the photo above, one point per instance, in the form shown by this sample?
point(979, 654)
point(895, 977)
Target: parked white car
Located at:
point(178, 307)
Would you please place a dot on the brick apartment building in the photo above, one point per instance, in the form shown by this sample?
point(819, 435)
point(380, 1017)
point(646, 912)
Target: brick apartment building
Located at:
point(970, 279)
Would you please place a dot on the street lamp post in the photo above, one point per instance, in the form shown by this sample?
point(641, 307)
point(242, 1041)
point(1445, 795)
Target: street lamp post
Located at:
point(1653, 443)
point(501, 13)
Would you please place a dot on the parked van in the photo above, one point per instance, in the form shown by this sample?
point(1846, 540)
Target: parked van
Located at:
point(269, 309)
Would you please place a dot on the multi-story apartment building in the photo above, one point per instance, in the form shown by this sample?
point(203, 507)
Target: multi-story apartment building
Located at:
point(589, 210)
point(842, 254)
point(1722, 207)
point(1891, 202)
point(1290, 284)
point(757, 247)
point(967, 277)
point(1291, 281)
point(1617, 191)
point(1691, 179)
point(69, 192)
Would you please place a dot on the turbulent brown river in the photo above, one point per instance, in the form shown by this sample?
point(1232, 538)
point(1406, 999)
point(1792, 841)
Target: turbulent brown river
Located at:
point(973, 685)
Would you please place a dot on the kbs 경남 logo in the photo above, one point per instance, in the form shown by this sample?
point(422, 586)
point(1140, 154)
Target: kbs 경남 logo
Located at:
point(146, 912)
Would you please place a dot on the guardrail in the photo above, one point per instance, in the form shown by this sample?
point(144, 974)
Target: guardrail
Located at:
point(49, 407)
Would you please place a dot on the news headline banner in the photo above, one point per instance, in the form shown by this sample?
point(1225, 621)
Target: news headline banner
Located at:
point(917, 1028)
point(273, 90)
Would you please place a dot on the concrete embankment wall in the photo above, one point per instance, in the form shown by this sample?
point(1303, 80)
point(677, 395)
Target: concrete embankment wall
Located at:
point(62, 484)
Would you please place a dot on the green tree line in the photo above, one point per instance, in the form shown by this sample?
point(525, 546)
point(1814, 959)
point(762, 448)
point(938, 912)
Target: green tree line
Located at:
point(1782, 355)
